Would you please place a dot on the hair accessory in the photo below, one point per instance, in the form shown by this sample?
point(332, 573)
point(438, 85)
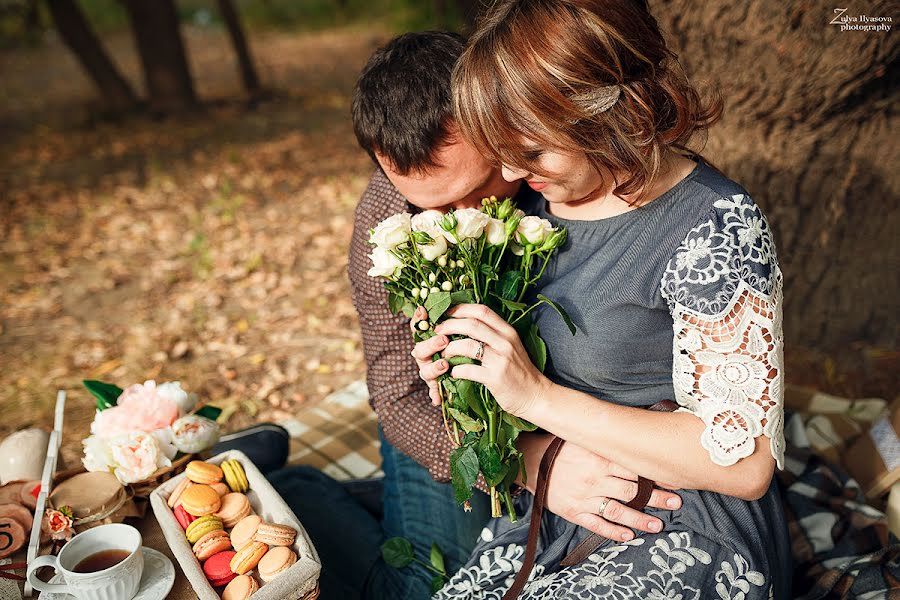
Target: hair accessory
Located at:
point(599, 99)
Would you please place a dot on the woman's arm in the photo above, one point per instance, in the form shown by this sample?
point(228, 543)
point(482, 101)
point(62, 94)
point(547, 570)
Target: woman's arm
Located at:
point(659, 446)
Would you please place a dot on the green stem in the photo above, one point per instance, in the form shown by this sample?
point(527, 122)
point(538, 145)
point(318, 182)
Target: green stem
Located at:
point(429, 566)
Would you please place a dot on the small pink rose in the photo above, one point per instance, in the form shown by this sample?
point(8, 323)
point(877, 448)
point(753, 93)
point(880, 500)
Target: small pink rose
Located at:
point(58, 523)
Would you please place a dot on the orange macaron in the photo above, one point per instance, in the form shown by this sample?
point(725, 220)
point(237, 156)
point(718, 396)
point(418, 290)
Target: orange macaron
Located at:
point(275, 535)
point(203, 472)
point(276, 561)
point(234, 508)
point(200, 500)
point(243, 532)
point(248, 557)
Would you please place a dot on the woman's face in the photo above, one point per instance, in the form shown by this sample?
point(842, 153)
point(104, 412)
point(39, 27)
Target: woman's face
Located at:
point(569, 176)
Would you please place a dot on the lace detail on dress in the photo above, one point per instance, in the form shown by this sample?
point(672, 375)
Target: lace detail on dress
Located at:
point(724, 290)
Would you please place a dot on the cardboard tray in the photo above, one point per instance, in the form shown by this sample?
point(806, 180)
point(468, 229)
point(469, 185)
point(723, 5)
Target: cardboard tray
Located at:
point(295, 583)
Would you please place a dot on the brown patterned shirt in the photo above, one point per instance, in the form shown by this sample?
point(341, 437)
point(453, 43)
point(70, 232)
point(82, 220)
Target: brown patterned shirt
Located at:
point(397, 394)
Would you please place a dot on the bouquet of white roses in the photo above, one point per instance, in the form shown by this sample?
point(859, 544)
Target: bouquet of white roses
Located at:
point(143, 428)
point(492, 256)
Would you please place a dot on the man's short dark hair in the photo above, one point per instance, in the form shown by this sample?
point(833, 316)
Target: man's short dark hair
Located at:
point(402, 103)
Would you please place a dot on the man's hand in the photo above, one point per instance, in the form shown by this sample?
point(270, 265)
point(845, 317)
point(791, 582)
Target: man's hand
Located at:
point(579, 482)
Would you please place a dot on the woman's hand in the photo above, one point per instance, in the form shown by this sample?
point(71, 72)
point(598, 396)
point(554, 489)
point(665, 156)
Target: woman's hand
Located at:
point(506, 369)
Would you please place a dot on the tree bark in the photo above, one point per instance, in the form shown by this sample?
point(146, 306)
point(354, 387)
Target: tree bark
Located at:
point(115, 92)
point(245, 62)
point(158, 39)
point(810, 132)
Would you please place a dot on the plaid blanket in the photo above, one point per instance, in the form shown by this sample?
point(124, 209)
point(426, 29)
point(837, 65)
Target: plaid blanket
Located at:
point(841, 546)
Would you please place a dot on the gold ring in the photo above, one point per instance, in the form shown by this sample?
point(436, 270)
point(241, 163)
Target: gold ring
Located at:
point(603, 504)
point(479, 354)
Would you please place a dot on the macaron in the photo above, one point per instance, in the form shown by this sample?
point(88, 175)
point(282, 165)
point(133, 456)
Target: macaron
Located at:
point(175, 497)
point(200, 500)
point(217, 570)
point(246, 559)
point(234, 508)
point(235, 476)
point(275, 535)
point(275, 561)
point(13, 537)
point(243, 532)
point(183, 517)
point(211, 543)
point(203, 472)
point(221, 488)
point(18, 513)
point(201, 527)
point(240, 588)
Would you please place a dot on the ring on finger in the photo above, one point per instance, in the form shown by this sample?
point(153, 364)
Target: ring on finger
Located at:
point(603, 504)
point(479, 354)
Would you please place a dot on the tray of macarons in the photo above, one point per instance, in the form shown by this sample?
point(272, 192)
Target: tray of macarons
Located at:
point(232, 533)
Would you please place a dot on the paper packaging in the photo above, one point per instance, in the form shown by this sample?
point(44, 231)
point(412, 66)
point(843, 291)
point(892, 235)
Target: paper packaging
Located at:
point(292, 584)
point(874, 459)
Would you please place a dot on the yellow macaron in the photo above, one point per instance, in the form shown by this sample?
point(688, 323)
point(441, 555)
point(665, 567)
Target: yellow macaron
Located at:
point(235, 476)
point(248, 557)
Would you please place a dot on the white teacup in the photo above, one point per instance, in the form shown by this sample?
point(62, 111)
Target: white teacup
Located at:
point(119, 582)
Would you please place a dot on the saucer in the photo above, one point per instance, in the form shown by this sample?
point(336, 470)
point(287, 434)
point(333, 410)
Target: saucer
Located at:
point(156, 580)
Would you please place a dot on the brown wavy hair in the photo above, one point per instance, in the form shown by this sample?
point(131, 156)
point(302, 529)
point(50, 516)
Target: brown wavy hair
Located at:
point(529, 59)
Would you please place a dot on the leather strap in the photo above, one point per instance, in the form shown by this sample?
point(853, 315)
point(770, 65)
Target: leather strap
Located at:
point(589, 544)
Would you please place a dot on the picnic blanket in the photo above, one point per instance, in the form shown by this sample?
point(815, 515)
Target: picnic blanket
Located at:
point(842, 547)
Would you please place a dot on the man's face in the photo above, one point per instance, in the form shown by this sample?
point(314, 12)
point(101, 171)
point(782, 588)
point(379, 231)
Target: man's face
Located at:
point(461, 179)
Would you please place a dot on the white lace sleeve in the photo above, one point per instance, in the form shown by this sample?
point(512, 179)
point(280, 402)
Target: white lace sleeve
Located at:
point(723, 286)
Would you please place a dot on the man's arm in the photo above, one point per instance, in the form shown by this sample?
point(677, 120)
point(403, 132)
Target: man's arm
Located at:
point(396, 392)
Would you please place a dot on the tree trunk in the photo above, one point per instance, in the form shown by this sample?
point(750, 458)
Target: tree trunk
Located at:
point(245, 62)
point(77, 34)
point(810, 132)
point(166, 72)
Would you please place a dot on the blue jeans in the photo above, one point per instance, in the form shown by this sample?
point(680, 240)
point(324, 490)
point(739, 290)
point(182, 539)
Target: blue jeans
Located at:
point(348, 537)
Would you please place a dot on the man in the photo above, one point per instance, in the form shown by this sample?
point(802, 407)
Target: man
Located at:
point(402, 118)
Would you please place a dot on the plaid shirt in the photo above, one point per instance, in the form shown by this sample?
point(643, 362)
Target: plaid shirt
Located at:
point(397, 394)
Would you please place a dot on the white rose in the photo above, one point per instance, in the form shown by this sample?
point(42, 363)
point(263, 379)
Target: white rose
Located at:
point(495, 231)
point(517, 249)
point(172, 391)
point(393, 231)
point(470, 223)
point(428, 221)
point(533, 230)
point(97, 456)
point(194, 433)
point(385, 263)
point(435, 249)
point(136, 457)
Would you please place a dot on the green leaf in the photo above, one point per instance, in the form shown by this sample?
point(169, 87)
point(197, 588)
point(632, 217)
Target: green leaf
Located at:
point(512, 306)
point(536, 347)
point(106, 393)
point(437, 582)
point(512, 473)
point(465, 421)
point(395, 302)
point(437, 558)
point(471, 393)
point(460, 360)
point(397, 552)
point(210, 412)
point(437, 304)
point(409, 309)
point(488, 270)
point(462, 297)
point(562, 312)
point(463, 472)
point(520, 424)
point(509, 285)
point(491, 464)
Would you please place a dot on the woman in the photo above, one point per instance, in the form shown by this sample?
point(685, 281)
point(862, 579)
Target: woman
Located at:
point(671, 277)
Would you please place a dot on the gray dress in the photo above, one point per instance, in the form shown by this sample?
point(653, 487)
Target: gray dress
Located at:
point(679, 299)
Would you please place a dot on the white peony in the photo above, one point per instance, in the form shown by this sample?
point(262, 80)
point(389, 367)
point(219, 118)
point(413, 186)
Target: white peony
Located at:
point(97, 454)
point(495, 232)
point(172, 391)
point(470, 223)
point(533, 230)
point(136, 456)
point(393, 231)
point(385, 264)
point(435, 249)
point(166, 441)
point(194, 433)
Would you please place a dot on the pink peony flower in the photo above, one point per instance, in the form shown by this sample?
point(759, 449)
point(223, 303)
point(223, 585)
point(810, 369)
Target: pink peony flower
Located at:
point(139, 408)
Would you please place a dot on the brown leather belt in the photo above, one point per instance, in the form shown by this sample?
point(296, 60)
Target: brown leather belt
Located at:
point(590, 543)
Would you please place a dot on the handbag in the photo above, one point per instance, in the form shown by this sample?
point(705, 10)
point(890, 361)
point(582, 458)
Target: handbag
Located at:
point(590, 543)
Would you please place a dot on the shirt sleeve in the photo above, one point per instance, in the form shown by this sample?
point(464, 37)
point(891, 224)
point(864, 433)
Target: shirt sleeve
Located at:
point(723, 287)
point(396, 393)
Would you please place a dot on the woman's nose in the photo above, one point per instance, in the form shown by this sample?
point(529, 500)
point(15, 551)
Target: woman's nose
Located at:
point(511, 173)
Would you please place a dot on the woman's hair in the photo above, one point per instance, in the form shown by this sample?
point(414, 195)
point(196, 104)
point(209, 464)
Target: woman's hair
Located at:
point(591, 76)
